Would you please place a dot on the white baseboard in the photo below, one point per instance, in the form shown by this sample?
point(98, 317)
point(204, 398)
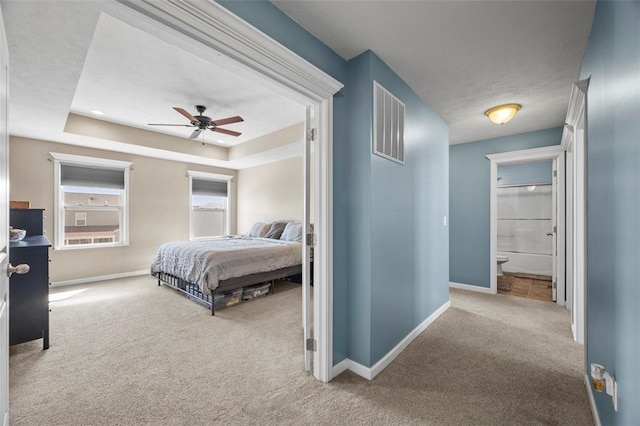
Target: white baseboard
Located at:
point(470, 287)
point(99, 278)
point(370, 373)
point(348, 364)
point(592, 401)
point(340, 368)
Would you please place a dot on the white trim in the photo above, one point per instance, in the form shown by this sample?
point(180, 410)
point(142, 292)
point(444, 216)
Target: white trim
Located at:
point(212, 25)
point(470, 287)
point(216, 27)
point(521, 157)
point(493, 226)
point(359, 369)
point(307, 311)
point(378, 367)
point(576, 109)
point(575, 134)
point(90, 161)
point(58, 219)
point(341, 367)
point(209, 176)
point(191, 174)
point(526, 155)
point(323, 251)
point(592, 401)
point(99, 278)
point(561, 242)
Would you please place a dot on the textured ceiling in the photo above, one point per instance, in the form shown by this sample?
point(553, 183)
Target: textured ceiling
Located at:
point(463, 57)
point(78, 56)
point(460, 57)
point(136, 78)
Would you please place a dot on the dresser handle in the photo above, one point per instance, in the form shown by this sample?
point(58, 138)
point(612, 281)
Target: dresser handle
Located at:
point(23, 268)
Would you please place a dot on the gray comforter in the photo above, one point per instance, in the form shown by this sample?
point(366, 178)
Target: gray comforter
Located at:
point(207, 262)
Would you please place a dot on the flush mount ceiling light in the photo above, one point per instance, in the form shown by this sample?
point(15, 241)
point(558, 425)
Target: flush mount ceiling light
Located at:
point(502, 113)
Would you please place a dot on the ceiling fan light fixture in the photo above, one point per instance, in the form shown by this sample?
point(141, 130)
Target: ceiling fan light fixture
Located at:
point(502, 114)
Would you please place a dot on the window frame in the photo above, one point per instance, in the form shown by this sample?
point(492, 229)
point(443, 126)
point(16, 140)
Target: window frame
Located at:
point(59, 160)
point(212, 177)
point(84, 220)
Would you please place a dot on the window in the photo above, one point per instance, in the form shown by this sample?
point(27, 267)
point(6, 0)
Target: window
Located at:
point(91, 202)
point(81, 219)
point(209, 204)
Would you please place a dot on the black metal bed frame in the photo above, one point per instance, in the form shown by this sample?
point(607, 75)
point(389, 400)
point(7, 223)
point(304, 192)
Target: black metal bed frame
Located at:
point(193, 292)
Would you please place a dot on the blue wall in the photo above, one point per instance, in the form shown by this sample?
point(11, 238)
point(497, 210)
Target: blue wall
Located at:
point(469, 206)
point(399, 244)
point(358, 186)
point(538, 172)
point(612, 61)
point(390, 245)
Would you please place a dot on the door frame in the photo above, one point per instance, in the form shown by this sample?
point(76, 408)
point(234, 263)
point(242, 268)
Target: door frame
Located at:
point(574, 136)
point(213, 26)
point(4, 233)
point(554, 153)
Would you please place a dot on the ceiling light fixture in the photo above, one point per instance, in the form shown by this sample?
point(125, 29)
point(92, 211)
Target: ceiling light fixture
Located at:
point(96, 112)
point(502, 113)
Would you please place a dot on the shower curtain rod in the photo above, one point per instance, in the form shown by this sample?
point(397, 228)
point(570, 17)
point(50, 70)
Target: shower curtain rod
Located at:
point(520, 185)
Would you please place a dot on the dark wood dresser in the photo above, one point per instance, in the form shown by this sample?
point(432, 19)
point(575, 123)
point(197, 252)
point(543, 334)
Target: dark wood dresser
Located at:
point(29, 293)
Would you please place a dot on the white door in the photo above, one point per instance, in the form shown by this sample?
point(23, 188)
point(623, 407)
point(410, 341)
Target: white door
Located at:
point(4, 229)
point(580, 233)
point(569, 233)
point(307, 246)
point(554, 230)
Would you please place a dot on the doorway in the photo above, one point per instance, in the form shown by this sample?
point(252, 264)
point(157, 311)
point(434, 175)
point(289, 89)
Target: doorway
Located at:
point(243, 46)
point(526, 226)
point(574, 141)
point(555, 155)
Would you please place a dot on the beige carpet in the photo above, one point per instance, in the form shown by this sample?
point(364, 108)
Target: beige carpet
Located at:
point(127, 352)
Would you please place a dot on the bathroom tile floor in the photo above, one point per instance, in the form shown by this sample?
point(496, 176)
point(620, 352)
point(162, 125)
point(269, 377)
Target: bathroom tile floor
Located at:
point(523, 285)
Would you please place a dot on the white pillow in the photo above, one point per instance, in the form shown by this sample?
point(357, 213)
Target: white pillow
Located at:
point(292, 232)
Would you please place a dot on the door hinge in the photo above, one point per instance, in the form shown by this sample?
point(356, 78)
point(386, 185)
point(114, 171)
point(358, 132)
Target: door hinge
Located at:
point(555, 173)
point(312, 345)
point(311, 240)
point(311, 134)
point(555, 229)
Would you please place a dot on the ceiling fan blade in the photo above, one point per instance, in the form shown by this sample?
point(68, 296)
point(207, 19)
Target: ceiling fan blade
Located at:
point(159, 124)
point(226, 132)
point(229, 120)
point(186, 114)
point(195, 133)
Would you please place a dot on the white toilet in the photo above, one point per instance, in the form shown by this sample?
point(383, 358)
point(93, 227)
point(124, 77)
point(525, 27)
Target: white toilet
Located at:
point(501, 260)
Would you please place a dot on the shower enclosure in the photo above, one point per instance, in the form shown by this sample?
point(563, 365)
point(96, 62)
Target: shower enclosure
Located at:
point(525, 227)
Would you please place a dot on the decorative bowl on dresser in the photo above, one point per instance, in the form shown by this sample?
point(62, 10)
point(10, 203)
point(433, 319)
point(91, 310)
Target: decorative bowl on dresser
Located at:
point(29, 293)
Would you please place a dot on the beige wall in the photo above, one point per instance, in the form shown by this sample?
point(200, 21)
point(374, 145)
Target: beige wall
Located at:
point(270, 192)
point(272, 140)
point(158, 208)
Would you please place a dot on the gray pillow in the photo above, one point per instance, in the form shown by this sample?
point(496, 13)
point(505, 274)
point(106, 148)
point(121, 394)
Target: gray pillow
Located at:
point(292, 232)
point(276, 230)
point(259, 229)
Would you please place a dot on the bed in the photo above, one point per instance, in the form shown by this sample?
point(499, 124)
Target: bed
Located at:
point(201, 269)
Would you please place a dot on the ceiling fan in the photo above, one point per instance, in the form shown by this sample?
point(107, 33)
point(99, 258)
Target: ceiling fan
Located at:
point(202, 122)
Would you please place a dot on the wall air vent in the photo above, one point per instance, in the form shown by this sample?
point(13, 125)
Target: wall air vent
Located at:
point(388, 125)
